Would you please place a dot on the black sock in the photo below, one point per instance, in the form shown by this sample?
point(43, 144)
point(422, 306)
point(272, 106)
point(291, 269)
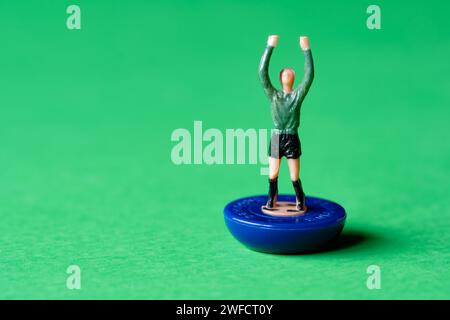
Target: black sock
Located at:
point(273, 191)
point(299, 194)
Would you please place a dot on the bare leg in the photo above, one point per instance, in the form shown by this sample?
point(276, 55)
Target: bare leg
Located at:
point(274, 170)
point(294, 171)
point(294, 168)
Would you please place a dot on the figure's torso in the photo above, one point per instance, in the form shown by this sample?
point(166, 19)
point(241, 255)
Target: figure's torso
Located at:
point(286, 111)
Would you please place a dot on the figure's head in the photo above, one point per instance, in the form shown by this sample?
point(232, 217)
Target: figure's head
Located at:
point(287, 77)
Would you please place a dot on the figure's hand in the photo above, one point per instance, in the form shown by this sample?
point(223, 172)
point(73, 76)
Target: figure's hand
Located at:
point(272, 41)
point(304, 43)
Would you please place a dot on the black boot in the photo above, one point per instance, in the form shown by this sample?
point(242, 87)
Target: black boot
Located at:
point(299, 195)
point(273, 191)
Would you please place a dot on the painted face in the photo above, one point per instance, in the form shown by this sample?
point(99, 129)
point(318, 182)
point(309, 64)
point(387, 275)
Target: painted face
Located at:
point(287, 77)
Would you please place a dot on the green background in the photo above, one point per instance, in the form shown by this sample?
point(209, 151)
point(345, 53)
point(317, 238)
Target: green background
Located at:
point(86, 175)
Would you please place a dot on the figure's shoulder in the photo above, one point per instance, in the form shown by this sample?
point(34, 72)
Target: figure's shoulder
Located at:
point(299, 91)
point(273, 95)
point(277, 93)
point(297, 94)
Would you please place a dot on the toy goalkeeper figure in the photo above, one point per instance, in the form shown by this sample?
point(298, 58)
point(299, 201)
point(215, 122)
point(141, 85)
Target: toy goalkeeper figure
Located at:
point(285, 107)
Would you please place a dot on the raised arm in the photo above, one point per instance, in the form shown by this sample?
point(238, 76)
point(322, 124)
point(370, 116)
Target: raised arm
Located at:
point(308, 76)
point(264, 66)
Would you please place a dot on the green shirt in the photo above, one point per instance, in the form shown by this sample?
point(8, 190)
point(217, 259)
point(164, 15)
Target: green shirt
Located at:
point(286, 106)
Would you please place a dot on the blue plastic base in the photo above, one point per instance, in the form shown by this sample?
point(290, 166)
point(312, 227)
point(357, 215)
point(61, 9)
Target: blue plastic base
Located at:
point(322, 223)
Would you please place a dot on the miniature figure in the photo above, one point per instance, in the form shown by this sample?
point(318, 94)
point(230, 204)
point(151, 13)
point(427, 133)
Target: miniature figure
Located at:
point(279, 224)
point(285, 107)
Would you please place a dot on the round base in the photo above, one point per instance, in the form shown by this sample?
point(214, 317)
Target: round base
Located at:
point(322, 223)
point(283, 209)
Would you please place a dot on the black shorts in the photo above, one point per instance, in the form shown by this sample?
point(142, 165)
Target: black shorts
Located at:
point(285, 145)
